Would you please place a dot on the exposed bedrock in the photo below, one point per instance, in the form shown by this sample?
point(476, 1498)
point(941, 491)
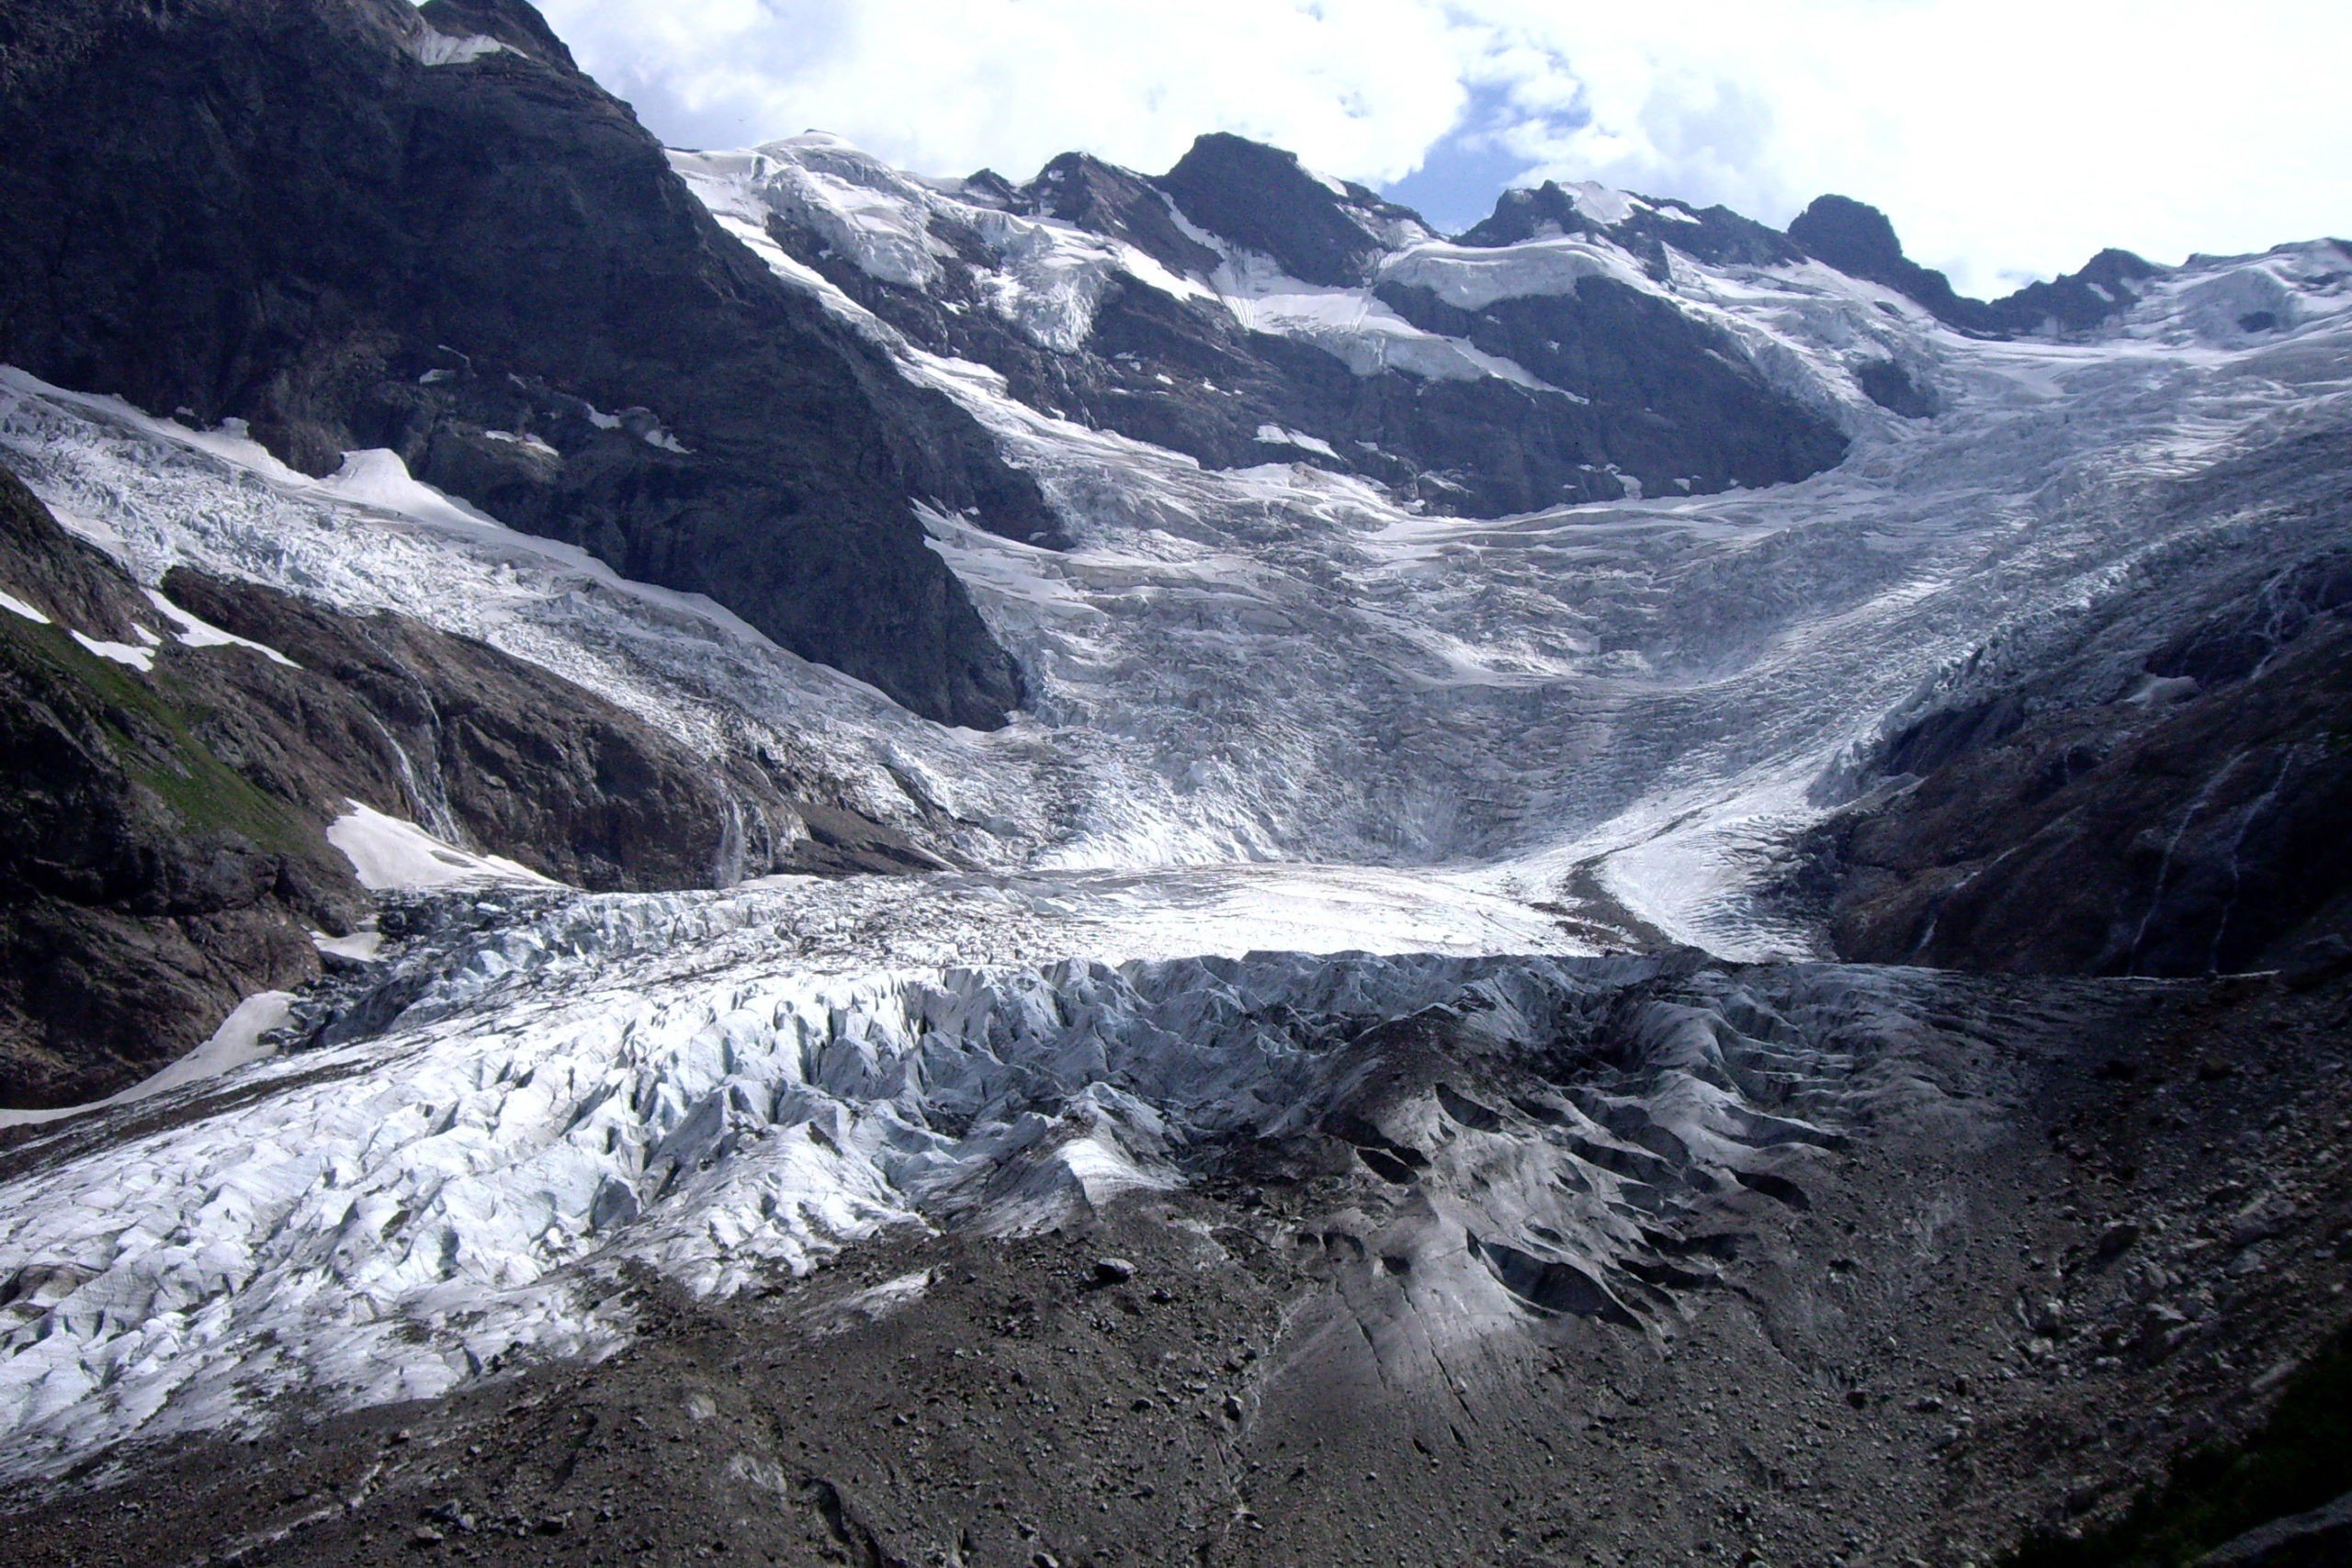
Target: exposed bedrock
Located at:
point(168, 781)
point(2156, 788)
point(356, 229)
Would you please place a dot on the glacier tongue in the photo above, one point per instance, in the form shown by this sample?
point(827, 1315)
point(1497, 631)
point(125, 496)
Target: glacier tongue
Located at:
point(727, 1088)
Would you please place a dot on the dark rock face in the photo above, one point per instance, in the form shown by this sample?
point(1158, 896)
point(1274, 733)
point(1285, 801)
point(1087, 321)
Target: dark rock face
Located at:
point(1890, 386)
point(280, 214)
point(2187, 822)
point(1635, 388)
point(1857, 239)
point(1714, 234)
point(2205, 841)
point(1262, 198)
point(162, 845)
point(1665, 398)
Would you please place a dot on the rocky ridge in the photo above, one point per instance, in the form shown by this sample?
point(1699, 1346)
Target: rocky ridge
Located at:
point(1856, 239)
point(1229, 332)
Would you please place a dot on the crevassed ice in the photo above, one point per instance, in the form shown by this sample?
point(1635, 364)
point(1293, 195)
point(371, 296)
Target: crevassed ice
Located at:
point(639, 1079)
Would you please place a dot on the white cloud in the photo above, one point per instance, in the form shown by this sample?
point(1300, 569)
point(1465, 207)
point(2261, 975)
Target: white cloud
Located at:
point(2005, 137)
point(1360, 85)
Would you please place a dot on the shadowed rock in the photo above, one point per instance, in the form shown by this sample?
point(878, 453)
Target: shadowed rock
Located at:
point(285, 214)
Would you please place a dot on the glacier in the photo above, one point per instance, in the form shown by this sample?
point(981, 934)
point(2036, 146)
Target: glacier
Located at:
point(1297, 758)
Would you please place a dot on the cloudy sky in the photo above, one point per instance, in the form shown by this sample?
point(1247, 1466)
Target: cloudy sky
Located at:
point(2008, 139)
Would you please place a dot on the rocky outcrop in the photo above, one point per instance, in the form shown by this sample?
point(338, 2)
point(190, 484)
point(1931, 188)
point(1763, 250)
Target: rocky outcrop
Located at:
point(356, 226)
point(1604, 384)
point(2203, 835)
point(1857, 239)
point(1263, 200)
point(2107, 286)
point(162, 829)
point(2175, 808)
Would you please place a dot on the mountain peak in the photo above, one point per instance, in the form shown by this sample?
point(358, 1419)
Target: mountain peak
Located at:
point(513, 23)
point(1079, 188)
point(1318, 229)
point(1860, 240)
point(1852, 236)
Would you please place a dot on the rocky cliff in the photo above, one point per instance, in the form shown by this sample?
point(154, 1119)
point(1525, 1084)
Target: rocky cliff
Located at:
point(173, 761)
point(2165, 793)
point(1242, 310)
point(356, 225)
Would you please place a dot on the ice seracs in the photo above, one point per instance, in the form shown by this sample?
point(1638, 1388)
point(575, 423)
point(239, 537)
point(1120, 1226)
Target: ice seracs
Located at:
point(640, 1078)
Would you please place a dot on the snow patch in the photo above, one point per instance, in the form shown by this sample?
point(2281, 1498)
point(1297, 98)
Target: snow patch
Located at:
point(1354, 327)
point(531, 444)
point(17, 606)
point(361, 947)
point(138, 658)
point(197, 633)
point(239, 1041)
point(1275, 435)
point(1471, 278)
point(1604, 206)
point(439, 49)
point(387, 855)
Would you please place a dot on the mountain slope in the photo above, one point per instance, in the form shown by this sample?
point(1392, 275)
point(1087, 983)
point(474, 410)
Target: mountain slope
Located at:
point(1241, 310)
point(352, 230)
point(180, 765)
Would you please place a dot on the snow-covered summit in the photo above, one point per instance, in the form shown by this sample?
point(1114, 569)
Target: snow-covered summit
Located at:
point(1239, 292)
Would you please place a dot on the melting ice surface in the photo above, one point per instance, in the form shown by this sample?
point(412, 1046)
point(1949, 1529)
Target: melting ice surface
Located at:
point(1274, 713)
